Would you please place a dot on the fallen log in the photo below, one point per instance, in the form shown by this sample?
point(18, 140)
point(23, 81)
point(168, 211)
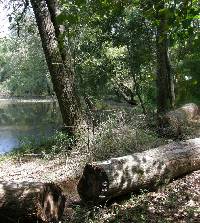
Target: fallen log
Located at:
point(174, 122)
point(191, 110)
point(35, 202)
point(101, 181)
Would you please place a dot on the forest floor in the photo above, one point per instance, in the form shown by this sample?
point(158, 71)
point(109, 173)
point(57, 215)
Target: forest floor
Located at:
point(178, 201)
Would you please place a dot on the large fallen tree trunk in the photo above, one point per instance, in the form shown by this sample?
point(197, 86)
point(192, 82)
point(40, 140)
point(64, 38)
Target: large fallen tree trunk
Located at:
point(104, 180)
point(174, 122)
point(35, 202)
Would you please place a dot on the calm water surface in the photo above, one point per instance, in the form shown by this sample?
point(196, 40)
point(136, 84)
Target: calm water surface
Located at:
point(26, 119)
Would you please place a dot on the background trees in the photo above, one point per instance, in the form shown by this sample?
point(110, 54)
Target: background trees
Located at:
point(137, 51)
point(23, 68)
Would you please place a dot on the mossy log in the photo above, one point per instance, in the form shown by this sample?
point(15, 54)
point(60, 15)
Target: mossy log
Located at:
point(101, 181)
point(35, 202)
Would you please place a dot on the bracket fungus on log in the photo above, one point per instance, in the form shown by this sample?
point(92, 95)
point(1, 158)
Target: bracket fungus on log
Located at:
point(101, 181)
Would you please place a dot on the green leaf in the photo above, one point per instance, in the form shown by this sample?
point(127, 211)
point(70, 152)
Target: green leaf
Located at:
point(186, 23)
point(61, 18)
point(164, 11)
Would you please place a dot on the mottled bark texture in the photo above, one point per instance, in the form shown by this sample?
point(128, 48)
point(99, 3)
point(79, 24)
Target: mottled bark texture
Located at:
point(35, 202)
point(63, 77)
point(104, 180)
point(165, 85)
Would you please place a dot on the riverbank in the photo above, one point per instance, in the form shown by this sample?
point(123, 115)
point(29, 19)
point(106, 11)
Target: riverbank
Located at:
point(27, 122)
point(121, 134)
point(10, 99)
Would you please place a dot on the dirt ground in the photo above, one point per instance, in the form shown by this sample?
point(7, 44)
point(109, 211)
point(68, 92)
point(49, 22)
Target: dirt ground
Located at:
point(177, 202)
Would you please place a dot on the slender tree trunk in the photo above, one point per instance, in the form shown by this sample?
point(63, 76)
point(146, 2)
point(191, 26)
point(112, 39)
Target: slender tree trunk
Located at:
point(135, 71)
point(137, 91)
point(61, 74)
point(165, 88)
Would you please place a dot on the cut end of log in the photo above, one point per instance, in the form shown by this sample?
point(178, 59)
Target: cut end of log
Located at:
point(174, 122)
point(191, 110)
point(51, 203)
point(31, 202)
point(93, 184)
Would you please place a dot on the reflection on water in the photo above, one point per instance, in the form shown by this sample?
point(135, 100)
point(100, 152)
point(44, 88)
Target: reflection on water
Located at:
point(26, 119)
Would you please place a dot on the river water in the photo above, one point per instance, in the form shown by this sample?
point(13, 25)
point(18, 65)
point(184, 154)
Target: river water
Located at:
point(24, 119)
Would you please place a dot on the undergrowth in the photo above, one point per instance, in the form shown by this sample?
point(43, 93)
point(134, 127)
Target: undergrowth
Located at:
point(115, 133)
point(111, 133)
point(123, 132)
point(52, 145)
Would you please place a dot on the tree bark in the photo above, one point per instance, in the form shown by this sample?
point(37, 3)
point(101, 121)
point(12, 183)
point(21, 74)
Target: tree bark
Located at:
point(35, 202)
point(104, 180)
point(175, 121)
point(126, 93)
point(165, 84)
point(58, 64)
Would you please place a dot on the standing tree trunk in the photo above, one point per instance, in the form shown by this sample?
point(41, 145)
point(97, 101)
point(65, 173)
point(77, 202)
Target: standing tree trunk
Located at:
point(58, 63)
point(165, 86)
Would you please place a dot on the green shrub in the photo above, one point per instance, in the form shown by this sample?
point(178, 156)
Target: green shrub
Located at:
point(58, 143)
point(123, 133)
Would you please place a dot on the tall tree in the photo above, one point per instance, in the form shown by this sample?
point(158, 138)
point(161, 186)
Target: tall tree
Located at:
point(173, 21)
point(157, 12)
point(58, 61)
point(165, 84)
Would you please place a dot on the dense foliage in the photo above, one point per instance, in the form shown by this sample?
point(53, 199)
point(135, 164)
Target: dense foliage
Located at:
point(112, 45)
point(23, 67)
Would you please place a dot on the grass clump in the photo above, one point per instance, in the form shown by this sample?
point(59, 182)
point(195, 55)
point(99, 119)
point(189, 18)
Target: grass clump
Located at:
point(122, 133)
point(58, 143)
